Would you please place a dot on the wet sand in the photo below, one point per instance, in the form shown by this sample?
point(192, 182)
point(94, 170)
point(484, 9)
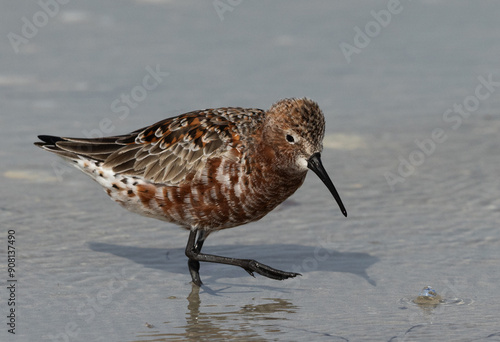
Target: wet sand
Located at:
point(88, 270)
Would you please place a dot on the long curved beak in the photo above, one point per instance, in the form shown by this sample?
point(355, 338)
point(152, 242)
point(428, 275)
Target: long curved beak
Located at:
point(314, 163)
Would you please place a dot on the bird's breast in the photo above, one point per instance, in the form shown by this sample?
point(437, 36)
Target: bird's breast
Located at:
point(226, 193)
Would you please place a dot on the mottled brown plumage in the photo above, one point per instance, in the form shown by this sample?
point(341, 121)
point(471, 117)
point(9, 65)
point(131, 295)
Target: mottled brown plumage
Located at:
point(207, 170)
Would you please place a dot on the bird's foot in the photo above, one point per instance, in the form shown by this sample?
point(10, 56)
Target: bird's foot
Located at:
point(252, 266)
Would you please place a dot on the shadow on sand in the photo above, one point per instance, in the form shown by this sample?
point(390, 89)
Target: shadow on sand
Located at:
point(289, 257)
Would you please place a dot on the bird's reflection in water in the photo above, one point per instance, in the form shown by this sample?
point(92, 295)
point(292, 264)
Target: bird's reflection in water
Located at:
point(250, 322)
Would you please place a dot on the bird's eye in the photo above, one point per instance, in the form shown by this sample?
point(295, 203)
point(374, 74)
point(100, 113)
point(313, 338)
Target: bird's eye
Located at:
point(290, 138)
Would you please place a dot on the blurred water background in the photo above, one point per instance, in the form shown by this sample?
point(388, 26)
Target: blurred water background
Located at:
point(410, 91)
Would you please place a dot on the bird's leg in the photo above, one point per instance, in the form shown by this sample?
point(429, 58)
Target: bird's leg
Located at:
point(194, 265)
point(193, 253)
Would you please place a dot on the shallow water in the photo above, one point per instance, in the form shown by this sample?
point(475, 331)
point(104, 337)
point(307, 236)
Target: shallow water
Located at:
point(89, 271)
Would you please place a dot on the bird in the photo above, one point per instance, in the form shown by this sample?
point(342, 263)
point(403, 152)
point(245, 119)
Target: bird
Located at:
point(208, 170)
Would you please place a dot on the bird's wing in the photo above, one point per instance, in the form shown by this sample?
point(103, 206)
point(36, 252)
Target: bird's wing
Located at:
point(167, 151)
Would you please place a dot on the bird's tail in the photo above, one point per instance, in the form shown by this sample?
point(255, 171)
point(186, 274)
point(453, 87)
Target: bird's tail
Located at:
point(50, 142)
point(79, 148)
